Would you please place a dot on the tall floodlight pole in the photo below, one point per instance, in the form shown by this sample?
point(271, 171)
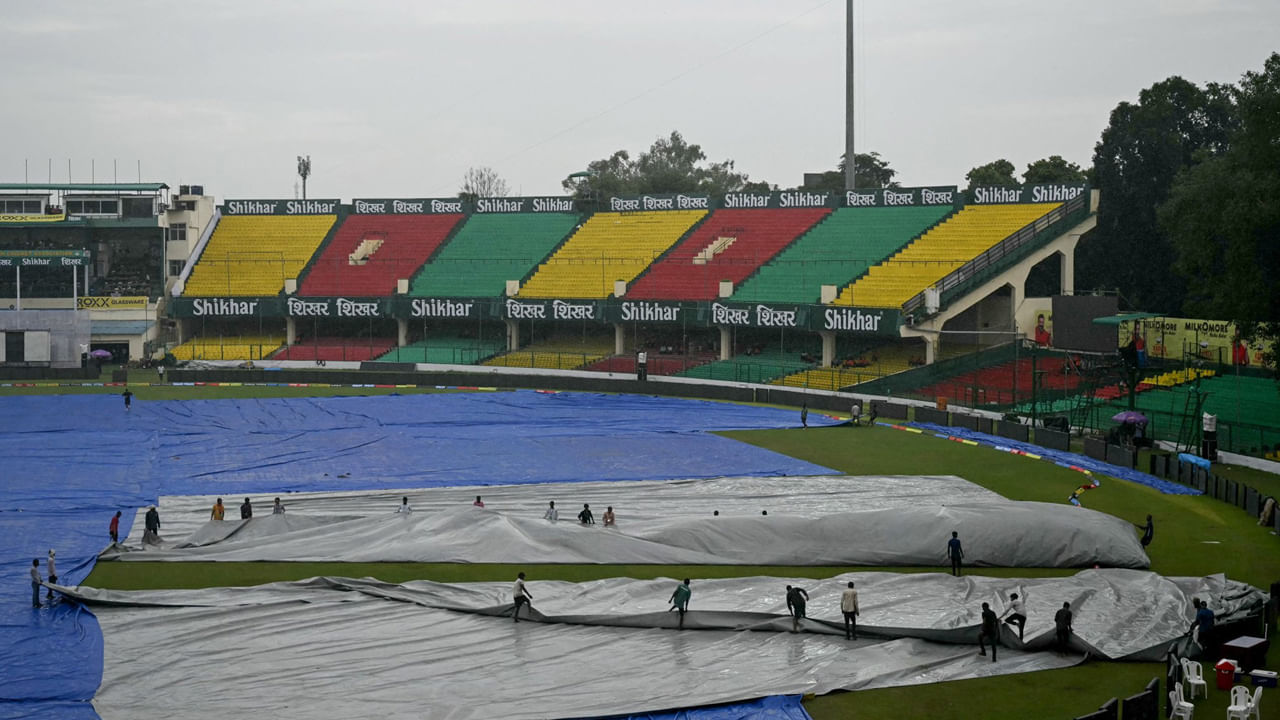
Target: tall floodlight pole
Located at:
point(849, 170)
point(304, 171)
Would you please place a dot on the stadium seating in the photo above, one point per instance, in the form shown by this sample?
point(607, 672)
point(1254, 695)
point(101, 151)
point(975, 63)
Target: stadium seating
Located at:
point(859, 367)
point(759, 367)
point(334, 349)
point(835, 251)
point(556, 354)
point(728, 245)
point(609, 246)
point(942, 249)
point(655, 364)
point(1006, 382)
point(229, 347)
point(448, 350)
point(489, 250)
point(254, 254)
point(369, 253)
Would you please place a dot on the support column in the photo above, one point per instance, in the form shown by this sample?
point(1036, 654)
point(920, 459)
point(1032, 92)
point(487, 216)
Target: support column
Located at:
point(402, 332)
point(726, 342)
point(930, 349)
point(828, 347)
point(290, 331)
point(1067, 272)
point(619, 339)
point(513, 335)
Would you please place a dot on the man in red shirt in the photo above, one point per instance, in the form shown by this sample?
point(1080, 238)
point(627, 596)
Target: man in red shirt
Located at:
point(114, 528)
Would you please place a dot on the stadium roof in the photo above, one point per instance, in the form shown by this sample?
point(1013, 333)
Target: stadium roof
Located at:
point(1124, 317)
point(118, 187)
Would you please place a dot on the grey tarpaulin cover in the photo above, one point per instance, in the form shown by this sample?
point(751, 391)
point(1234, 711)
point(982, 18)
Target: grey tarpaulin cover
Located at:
point(434, 650)
point(826, 520)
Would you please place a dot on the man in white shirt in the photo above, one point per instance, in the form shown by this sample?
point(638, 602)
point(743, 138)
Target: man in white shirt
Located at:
point(53, 572)
point(551, 514)
point(404, 506)
point(849, 606)
point(1017, 612)
point(277, 509)
point(520, 594)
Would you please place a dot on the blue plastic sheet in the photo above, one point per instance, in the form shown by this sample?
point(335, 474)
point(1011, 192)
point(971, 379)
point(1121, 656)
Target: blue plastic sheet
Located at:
point(1063, 458)
point(71, 461)
point(774, 707)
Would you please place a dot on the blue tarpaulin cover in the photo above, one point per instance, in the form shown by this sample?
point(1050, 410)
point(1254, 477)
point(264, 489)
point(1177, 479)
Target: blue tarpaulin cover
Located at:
point(1063, 458)
point(69, 462)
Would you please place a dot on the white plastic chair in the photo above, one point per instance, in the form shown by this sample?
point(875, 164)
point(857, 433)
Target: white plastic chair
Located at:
point(1178, 707)
point(1242, 706)
point(1193, 674)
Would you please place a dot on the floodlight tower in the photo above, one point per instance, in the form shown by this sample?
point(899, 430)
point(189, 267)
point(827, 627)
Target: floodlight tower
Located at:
point(849, 169)
point(304, 171)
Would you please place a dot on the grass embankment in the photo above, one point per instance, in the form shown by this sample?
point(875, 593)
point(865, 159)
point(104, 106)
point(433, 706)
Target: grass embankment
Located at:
point(1195, 536)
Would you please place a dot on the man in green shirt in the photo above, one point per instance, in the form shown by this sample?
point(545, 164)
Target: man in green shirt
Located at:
point(680, 600)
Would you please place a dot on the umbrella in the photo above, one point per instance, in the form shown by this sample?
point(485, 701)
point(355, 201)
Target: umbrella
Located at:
point(100, 354)
point(1130, 416)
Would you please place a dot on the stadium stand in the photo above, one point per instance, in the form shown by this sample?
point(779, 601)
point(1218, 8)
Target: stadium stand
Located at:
point(369, 253)
point(556, 354)
point(1006, 382)
point(654, 363)
point(450, 350)
point(835, 251)
point(239, 347)
point(760, 366)
point(489, 250)
point(728, 245)
point(858, 367)
point(944, 248)
point(334, 349)
point(254, 254)
point(609, 246)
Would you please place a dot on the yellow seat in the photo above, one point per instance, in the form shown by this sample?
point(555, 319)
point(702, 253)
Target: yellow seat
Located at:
point(254, 254)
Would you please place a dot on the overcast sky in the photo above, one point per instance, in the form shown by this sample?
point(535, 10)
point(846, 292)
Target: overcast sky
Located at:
point(398, 99)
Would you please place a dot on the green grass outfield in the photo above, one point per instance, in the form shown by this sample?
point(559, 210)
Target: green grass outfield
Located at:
point(1194, 536)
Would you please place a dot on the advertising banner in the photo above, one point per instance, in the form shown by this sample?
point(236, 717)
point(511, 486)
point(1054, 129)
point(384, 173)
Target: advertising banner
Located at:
point(650, 311)
point(111, 303)
point(31, 218)
point(758, 315)
point(777, 199)
point(649, 203)
point(445, 308)
point(418, 206)
point(1180, 338)
point(1047, 193)
point(280, 207)
point(858, 321)
point(226, 307)
point(521, 309)
point(525, 205)
point(901, 197)
point(44, 258)
point(336, 307)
